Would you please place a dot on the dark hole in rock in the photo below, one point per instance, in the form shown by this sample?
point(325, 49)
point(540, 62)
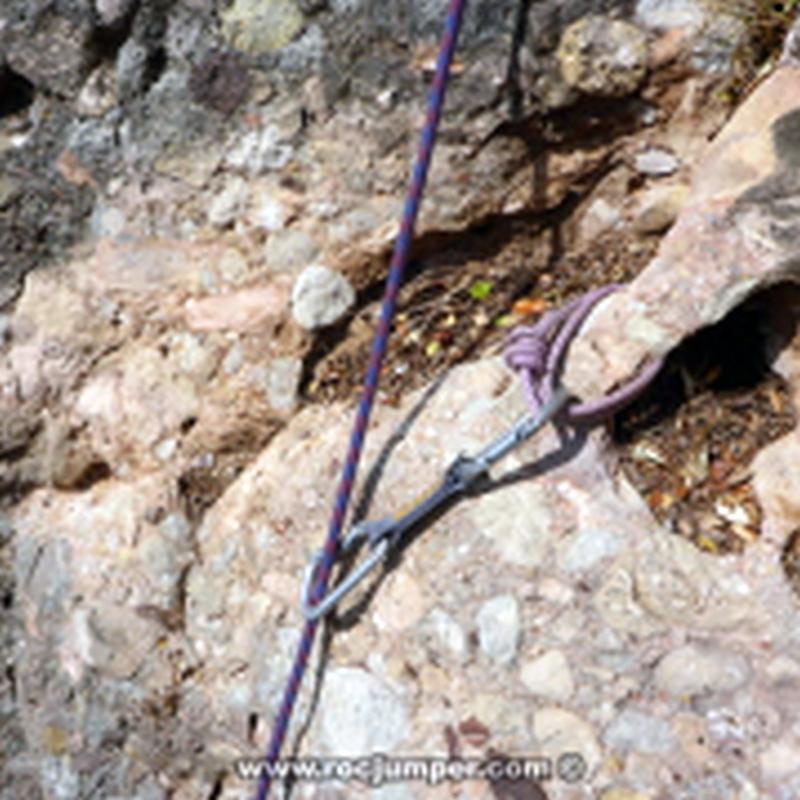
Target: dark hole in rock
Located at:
point(790, 560)
point(11, 676)
point(156, 64)
point(216, 789)
point(16, 92)
point(252, 726)
point(199, 489)
point(188, 424)
point(94, 473)
point(106, 39)
point(688, 442)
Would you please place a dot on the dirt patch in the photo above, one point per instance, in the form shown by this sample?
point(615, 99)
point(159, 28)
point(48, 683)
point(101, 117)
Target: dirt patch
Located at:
point(687, 444)
point(460, 302)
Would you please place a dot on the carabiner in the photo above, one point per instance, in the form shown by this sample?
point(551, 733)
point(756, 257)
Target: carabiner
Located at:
point(384, 534)
point(376, 533)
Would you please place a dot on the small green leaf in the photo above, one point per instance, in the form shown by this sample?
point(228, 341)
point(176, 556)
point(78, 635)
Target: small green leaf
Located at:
point(480, 290)
point(432, 348)
point(506, 321)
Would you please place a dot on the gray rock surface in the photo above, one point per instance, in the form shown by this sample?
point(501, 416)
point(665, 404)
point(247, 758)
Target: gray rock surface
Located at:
point(258, 27)
point(671, 13)
point(633, 730)
point(361, 714)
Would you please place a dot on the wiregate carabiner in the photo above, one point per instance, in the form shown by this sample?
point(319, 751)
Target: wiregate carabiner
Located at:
point(384, 534)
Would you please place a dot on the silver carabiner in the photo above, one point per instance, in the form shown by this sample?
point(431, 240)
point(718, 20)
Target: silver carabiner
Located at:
point(377, 534)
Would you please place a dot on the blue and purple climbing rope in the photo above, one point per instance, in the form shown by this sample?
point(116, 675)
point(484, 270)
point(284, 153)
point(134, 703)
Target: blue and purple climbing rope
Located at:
point(393, 283)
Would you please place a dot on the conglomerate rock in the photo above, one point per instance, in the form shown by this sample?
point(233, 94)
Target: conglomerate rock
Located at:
point(159, 540)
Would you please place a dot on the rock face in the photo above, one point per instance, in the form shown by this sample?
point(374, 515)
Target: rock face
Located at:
point(168, 483)
point(733, 226)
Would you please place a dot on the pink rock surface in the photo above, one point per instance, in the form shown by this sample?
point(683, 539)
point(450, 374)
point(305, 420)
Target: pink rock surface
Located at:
point(729, 241)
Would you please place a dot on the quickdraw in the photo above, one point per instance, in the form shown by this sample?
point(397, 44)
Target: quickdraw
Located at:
point(537, 352)
point(384, 535)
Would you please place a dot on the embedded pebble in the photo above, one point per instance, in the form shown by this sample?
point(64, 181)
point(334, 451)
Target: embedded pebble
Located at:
point(105, 221)
point(232, 267)
point(192, 355)
point(165, 450)
point(781, 759)
point(633, 730)
point(555, 591)
point(320, 297)
point(289, 250)
point(783, 669)
point(243, 310)
point(260, 26)
point(258, 152)
point(498, 628)
point(445, 636)
point(234, 359)
point(99, 93)
point(9, 189)
point(360, 714)
point(659, 208)
point(228, 203)
point(548, 676)
point(587, 548)
point(111, 12)
point(600, 217)
point(518, 523)
point(283, 382)
point(656, 163)
point(268, 213)
point(692, 669)
point(603, 56)
point(666, 14)
point(716, 49)
point(401, 604)
point(558, 731)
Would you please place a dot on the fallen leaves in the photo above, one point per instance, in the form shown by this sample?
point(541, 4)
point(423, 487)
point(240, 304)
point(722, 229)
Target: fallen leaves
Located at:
point(692, 464)
point(528, 306)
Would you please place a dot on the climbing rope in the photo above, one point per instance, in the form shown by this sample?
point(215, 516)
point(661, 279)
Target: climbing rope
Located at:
point(536, 352)
point(393, 282)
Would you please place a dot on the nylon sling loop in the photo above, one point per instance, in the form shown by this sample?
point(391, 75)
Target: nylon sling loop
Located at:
point(393, 282)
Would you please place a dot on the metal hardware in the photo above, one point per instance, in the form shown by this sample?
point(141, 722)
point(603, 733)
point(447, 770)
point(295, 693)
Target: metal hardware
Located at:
point(384, 534)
